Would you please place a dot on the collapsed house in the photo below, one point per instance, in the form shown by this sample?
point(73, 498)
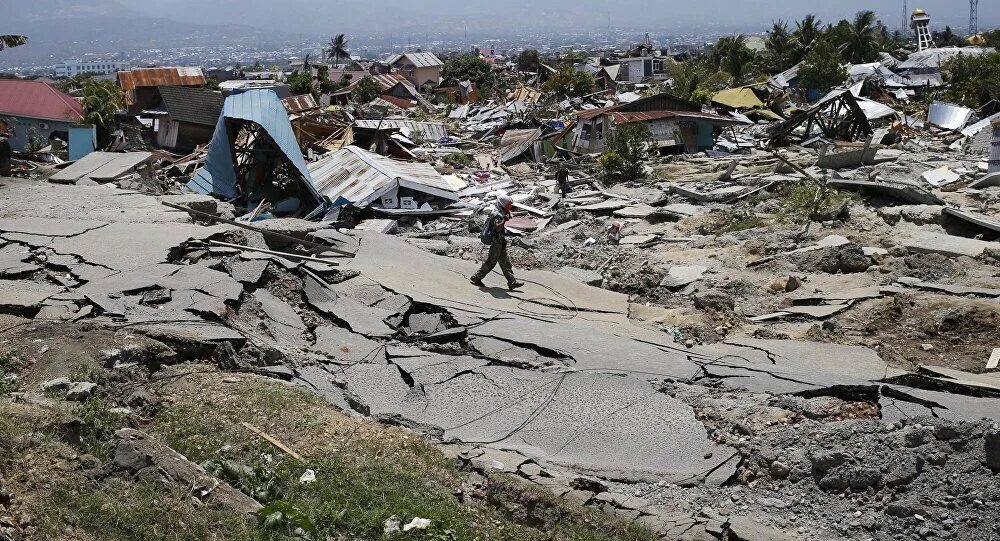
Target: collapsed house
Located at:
point(677, 125)
point(356, 177)
point(185, 118)
point(254, 158)
point(142, 86)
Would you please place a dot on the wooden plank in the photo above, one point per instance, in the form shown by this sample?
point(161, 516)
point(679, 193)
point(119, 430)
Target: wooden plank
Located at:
point(273, 441)
point(994, 359)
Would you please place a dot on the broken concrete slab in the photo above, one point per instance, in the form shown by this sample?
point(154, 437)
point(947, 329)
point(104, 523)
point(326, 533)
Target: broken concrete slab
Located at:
point(138, 453)
point(989, 382)
point(559, 419)
point(900, 191)
point(949, 288)
point(366, 320)
point(949, 245)
point(135, 245)
point(48, 227)
point(608, 206)
point(941, 176)
point(589, 277)
point(281, 321)
point(634, 211)
point(638, 240)
point(247, 271)
point(346, 346)
point(680, 276)
point(973, 218)
point(101, 166)
point(816, 312)
point(21, 297)
point(787, 366)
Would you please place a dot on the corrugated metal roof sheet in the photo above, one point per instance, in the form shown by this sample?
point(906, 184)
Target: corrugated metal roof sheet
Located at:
point(193, 105)
point(429, 131)
point(418, 60)
point(297, 104)
point(149, 77)
point(386, 81)
point(516, 142)
point(738, 98)
point(36, 99)
point(264, 108)
point(361, 177)
point(948, 116)
point(624, 118)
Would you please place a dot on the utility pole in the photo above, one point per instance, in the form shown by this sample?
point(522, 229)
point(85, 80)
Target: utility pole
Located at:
point(906, 19)
point(973, 17)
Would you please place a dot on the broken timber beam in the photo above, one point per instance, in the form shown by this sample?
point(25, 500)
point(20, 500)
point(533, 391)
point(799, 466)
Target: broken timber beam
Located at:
point(285, 255)
point(266, 233)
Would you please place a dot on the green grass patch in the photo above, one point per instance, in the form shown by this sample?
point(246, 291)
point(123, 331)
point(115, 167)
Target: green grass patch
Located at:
point(458, 158)
point(119, 510)
point(365, 474)
point(802, 203)
point(731, 221)
point(10, 373)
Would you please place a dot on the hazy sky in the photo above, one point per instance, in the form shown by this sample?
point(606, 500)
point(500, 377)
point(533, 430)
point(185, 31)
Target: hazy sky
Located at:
point(400, 17)
point(355, 15)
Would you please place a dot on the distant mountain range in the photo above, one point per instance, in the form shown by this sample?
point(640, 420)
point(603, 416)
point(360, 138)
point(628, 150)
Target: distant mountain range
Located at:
point(59, 29)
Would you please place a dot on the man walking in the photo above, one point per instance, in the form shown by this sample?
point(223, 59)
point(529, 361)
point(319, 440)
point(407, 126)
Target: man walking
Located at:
point(562, 179)
point(495, 232)
point(5, 154)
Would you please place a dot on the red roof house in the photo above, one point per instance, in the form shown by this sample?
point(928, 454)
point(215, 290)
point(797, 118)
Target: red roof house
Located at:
point(38, 100)
point(35, 110)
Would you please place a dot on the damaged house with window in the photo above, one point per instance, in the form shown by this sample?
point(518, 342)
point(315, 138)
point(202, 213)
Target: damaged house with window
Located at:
point(677, 125)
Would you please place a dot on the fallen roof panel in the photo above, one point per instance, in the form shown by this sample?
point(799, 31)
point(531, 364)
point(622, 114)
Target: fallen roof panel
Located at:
point(948, 115)
point(361, 177)
point(429, 131)
point(514, 143)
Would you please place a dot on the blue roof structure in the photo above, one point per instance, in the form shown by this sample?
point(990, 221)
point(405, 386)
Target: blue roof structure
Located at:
point(263, 107)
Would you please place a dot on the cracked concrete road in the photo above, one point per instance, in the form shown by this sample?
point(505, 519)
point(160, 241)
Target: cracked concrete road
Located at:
point(556, 372)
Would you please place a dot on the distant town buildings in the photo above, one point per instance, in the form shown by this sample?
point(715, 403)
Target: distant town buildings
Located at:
point(74, 67)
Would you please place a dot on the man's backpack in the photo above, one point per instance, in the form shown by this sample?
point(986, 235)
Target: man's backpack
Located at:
point(487, 235)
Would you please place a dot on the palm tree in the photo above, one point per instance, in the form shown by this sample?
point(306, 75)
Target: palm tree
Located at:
point(806, 32)
point(779, 49)
point(732, 55)
point(861, 46)
point(338, 48)
point(12, 40)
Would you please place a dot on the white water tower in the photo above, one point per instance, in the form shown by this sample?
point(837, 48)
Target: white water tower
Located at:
point(920, 21)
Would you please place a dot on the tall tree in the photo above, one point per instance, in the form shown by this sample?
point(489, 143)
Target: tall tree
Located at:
point(807, 31)
point(860, 46)
point(732, 55)
point(468, 67)
point(12, 40)
point(779, 49)
point(821, 68)
point(366, 90)
point(529, 60)
point(697, 79)
point(102, 101)
point(568, 82)
point(337, 48)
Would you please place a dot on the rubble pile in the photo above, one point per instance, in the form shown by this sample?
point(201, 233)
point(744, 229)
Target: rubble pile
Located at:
point(784, 328)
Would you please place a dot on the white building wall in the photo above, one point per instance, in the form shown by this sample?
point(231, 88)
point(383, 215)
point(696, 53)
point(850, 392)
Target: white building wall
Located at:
point(72, 68)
